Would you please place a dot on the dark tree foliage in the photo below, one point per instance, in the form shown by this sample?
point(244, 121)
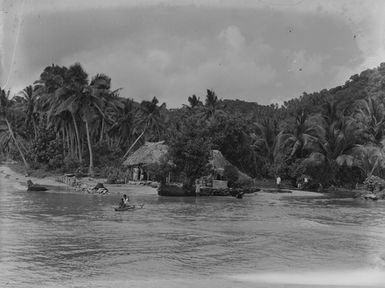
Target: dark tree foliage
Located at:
point(329, 135)
point(231, 174)
point(47, 149)
point(190, 151)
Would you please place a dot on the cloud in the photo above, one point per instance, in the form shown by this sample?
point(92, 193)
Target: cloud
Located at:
point(233, 38)
point(303, 65)
point(172, 49)
point(2, 65)
point(222, 63)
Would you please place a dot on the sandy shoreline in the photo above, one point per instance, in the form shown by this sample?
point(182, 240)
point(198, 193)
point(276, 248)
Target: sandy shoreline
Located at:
point(54, 185)
point(8, 173)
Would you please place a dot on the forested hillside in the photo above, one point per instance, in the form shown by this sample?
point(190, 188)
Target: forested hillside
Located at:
point(67, 120)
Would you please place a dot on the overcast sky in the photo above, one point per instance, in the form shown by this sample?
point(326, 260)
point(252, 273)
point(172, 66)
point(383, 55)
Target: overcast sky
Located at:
point(261, 51)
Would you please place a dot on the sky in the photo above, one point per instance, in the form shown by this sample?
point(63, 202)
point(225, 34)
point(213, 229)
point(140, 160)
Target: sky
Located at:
point(266, 51)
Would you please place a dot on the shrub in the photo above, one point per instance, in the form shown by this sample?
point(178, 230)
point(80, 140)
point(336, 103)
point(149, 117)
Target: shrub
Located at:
point(47, 149)
point(105, 156)
point(373, 182)
point(71, 164)
point(114, 175)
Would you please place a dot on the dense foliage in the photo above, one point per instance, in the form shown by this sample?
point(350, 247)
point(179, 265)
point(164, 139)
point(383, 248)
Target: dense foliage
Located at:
point(65, 119)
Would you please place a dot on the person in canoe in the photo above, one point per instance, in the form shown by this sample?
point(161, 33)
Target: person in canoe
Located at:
point(124, 202)
point(121, 203)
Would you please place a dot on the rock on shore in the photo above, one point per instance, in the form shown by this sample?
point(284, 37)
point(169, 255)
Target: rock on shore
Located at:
point(367, 195)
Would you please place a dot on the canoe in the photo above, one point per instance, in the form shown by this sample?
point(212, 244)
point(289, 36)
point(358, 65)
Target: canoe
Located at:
point(130, 207)
point(35, 187)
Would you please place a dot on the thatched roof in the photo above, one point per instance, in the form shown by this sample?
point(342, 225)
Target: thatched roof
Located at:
point(149, 153)
point(219, 162)
point(152, 153)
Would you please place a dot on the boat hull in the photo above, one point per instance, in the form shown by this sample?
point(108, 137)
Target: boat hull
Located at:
point(174, 191)
point(128, 208)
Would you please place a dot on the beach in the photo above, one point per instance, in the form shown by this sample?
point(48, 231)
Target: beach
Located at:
point(53, 185)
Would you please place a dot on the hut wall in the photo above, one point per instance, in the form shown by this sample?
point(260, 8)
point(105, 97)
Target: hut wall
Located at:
point(219, 184)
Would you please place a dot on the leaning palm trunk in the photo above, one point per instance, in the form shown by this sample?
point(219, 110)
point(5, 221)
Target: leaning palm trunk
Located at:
point(17, 145)
point(132, 146)
point(295, 148)
point(77, 138)
point(374, 167)
point(91, 167)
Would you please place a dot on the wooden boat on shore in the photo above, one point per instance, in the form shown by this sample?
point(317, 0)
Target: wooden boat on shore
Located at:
point(174, 191)
point(35, 187)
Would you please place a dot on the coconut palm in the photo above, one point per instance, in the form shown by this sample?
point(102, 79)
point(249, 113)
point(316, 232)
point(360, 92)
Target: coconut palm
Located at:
point(369, 158)
point(265, 139)
point(28, 99)
point(6, 110)
point(150, 117)
point(67, 98)
point(211, 102)
point(305, 131)
point(371, 112)
point(101, 88)
point(81, 100)
point(194, 101)
point(124, 122)
point(336, 146)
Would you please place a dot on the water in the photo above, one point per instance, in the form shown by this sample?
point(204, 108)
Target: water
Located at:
point(59, 239)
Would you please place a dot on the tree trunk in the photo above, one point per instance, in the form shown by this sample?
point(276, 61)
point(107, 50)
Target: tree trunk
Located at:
point(69, 142)
point(63, 134)
point(132, 146)
point(296, 145)
point(34, 127)
point(374, 167)
point(17, 145)
point(101, 131)
point(91, 167)
point(77, 137)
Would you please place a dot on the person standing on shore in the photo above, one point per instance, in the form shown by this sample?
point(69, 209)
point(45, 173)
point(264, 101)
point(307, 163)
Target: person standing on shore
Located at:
point(278, 182)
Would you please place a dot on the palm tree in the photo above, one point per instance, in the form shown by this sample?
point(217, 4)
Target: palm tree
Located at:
point(6, 110)
point(194, 101)
point(28, 101)
point(150, 116)
point(265, 139)
point(369, 158)
point(124, 122)
point(81, 100)
point(371, 113)
point(67, 98)
point(101, 88)
point(335, 146)
point(306, 131)
point(211, 105)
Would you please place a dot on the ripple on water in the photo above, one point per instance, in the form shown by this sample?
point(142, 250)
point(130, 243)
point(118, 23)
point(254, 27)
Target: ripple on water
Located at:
point(80, 240)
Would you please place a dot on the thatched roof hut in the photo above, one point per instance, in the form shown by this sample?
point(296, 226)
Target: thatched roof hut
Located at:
point(153, 152)
point(149, 153)
point(219, 162)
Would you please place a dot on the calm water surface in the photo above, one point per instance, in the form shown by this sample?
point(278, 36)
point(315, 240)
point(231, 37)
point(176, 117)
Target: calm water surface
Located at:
point(60, 239)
